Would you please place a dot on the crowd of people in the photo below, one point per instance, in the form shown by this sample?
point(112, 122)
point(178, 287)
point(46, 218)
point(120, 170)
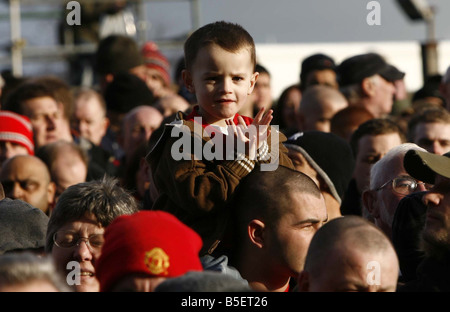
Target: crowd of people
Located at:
point(206, 183)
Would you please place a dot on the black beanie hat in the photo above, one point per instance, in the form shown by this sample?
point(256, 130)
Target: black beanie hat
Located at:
point(117, 53)
point(126, 92)
point(330, 155)
point(316, 62)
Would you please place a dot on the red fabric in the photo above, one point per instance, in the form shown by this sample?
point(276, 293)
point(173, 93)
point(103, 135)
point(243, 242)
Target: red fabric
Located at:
point(194, 113)
point(151, 242)
point(153, 58)
point(16, 128)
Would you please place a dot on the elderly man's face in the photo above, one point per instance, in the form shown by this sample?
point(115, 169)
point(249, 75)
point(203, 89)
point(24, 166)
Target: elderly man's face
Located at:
point(382, 98)
point(386, 200)
point(437, 224)
point(386, 194)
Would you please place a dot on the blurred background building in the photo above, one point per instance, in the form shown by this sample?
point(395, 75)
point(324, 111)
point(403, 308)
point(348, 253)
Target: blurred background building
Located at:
point(35, 37)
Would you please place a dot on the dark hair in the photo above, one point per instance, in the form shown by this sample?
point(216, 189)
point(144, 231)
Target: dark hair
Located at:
point(375, 126)
point(62, 93)
point(315, 62)
point(30, 89)
point(430, 88)
point(435, 114)
point(126, 92)
point(116, 54)
point(278, 109)
point(264, 194)
point(229, 36)
point(261, 69)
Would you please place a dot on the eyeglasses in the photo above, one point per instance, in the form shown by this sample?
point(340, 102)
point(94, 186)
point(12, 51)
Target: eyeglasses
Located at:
point(69, 239)
point(405, 185)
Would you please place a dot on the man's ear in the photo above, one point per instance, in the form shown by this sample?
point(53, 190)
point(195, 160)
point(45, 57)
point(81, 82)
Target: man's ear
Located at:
point(188, 82)
point(368, 87)
point(369, 198)
point(255, 230)
point(51, 191)
point(303, 282)
point(253, 80)
point(105, 124)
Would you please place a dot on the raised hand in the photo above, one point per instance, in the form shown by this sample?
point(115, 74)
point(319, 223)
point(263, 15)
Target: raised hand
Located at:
point(262, 123)
point(251, 137)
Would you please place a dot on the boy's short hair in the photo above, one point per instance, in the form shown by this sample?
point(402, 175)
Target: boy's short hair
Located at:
point(229, 36)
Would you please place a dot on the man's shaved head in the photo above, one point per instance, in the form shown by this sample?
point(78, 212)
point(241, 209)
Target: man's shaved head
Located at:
point(263, 194)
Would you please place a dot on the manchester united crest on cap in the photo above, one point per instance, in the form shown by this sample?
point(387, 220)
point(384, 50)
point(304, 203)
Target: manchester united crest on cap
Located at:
point(157, 261)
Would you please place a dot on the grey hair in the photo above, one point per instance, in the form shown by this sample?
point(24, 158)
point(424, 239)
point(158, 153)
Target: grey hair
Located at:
point(399, 151)
point(23, 268)
point(353, 93)
point(105, 199)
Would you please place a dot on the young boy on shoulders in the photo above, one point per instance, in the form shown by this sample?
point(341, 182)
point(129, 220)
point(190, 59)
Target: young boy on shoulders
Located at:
point(195, 174)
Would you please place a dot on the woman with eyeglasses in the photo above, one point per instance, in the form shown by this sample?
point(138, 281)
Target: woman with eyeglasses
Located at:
point(75, 229)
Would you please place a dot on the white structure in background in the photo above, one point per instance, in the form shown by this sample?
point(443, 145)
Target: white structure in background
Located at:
point(284, 60)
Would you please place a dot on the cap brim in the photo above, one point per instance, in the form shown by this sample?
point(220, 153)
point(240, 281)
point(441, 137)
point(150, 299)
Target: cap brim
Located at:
point(424, 166)
point(391, 73)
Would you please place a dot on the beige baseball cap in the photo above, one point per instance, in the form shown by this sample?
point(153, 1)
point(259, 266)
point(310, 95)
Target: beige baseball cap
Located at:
point(424, 166)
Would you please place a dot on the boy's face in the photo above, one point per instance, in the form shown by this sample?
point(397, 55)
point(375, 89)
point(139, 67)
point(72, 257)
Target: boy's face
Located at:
point(221, 81)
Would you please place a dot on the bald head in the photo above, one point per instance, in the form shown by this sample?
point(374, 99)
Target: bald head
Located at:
point(27, 178)
point(318, 106)
point(138, 126)
point(343, 252)
point(26, 161)
point(67, 163)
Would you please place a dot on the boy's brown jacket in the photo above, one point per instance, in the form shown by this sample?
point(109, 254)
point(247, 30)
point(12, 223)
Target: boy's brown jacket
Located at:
point(197, 191)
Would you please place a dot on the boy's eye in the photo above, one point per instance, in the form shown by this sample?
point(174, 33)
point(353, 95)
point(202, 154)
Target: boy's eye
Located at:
point(238, 78)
